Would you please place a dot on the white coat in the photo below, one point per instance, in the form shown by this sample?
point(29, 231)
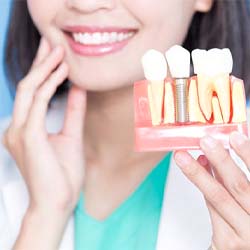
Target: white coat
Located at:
point(184, 224)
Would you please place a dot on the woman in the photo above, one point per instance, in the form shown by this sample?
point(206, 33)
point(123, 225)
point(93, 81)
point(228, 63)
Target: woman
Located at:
point(90, 156)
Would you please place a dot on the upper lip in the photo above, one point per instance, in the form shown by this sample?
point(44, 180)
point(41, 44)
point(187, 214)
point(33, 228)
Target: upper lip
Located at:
point(93, 29)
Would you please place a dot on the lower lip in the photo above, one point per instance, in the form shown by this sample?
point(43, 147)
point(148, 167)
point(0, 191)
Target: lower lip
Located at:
point(96, 50)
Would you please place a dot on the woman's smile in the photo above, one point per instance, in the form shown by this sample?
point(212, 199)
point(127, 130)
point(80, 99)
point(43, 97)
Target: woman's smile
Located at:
point(104, 41)
point(98, 41)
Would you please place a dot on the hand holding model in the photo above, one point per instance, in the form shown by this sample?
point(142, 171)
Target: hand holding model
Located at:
point(51, 164)
point(214, 101)
point(225, 187)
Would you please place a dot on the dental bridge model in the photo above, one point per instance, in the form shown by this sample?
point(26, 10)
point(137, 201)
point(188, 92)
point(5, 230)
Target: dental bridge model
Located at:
point(175, 112)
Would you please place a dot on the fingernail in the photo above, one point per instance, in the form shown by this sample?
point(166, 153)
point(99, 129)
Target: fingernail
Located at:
point(237, 138)
point(208, 142)
point(202, 159)
point(182, 159)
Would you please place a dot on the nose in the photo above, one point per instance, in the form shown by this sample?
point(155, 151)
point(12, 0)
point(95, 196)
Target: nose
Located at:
point(89, 6)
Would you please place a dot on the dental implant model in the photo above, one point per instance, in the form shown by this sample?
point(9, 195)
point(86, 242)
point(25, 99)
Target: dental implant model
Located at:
point(179, 64)
point(174, 113)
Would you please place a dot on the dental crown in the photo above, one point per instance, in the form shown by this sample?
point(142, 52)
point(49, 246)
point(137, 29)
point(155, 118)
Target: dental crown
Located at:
point(179, 61)
point(212, 62)
point(154, 65)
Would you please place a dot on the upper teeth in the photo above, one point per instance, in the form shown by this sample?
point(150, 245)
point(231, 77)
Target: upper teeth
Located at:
point(179, 61)
point(101, 38)
point(213, 68)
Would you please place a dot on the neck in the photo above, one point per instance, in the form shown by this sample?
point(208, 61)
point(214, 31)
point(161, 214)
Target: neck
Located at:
point(113, 168)
point(110, 123)
point(109, 129)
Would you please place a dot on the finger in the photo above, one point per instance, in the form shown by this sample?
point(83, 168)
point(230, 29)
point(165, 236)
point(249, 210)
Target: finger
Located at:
point(241, 145)
point(214, 192)
point(231, 176)
point(38, 111)
point(43, 51)
point(219, 224)
point(220, 227)
point(75, 112)
point(28, 86)
point(222, 231)
point(203, 161)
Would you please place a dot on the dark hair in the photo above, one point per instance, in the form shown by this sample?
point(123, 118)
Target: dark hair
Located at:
point(226, 25)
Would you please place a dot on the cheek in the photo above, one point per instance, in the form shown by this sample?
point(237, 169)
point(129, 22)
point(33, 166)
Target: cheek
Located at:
point(43, 13)
point(37, 9)
point(163, 23)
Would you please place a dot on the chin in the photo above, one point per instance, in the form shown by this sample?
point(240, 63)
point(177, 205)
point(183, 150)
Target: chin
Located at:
point(100, 84)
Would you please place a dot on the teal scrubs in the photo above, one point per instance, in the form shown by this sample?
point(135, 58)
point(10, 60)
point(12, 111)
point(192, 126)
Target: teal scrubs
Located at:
point(133, 225)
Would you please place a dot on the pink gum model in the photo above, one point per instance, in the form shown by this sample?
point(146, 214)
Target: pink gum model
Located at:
point(166, 137)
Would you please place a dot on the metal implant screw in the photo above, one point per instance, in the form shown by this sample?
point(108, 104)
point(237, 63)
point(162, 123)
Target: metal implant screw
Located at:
point(181, 100)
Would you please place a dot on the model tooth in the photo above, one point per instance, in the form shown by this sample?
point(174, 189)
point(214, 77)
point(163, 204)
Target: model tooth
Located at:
point(169, 107)
point(238, 101)
point(155, 113)
point(154, 65)
point(222, 88)
point(155, 70)
point(179, 61)
point(205, 88)
point(216, 110)
point(195, 114)
point(205, 93)
point(224, 65)
point(199, 60)
point(213, 68)
point(179, 64)
point(228, 67)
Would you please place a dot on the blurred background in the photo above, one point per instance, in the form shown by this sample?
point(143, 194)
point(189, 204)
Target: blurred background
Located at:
point(5, 97)
point(6, 101)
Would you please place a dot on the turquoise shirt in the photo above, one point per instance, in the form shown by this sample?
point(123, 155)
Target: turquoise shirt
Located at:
point(133, 225)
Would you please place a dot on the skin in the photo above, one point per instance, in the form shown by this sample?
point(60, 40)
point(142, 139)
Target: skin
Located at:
point(84, 155)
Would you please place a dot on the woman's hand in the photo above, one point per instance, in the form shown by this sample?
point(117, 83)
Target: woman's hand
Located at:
point(52, 165)
point(225, 188)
